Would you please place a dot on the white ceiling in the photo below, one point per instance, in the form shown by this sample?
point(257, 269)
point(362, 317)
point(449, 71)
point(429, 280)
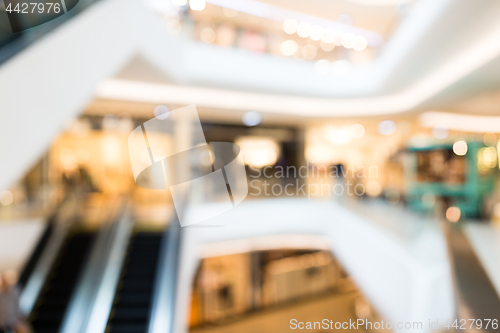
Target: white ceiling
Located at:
point(439, 47)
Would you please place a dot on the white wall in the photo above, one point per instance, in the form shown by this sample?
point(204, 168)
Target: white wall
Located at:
point(397, 274)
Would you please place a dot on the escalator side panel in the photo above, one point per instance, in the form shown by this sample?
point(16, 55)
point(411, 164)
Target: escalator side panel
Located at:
point(51, 305)
point(36, 255)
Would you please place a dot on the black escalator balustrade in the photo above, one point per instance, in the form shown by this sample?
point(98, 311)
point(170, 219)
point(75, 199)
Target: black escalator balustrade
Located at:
point(134, 294)
point(57, 291)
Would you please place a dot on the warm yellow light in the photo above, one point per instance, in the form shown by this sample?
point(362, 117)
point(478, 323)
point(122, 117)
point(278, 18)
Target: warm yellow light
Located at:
point(337, 37)
point(309, 52)
point(348, 41)
point(197, 4)
point(328, 36)
point(319, 154)
point(453, 214)
point(373, 188)
point(258, 151)
point(357, 131)
point(82, 156)
point(460, 147)
point(486, 159)
point(111, 150)
point(68, 159)
point(327, 47)
point(316, 32)
point(360, 43)
point(304, 29)
point(289, 48)
point(290, 26)
point(338, 136)
point(6, 197)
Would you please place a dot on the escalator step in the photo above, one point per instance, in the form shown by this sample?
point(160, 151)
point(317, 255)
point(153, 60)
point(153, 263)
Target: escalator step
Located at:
point(130, 313)
point(56, 293)
point(128, 328)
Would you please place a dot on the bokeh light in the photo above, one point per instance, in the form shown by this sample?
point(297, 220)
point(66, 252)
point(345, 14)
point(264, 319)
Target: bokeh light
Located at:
point(328, 36)
point(6, 197)
point(304, 29)
point(251, 118)
point(309, 52)
point(161, 111)
point(316, 32)
point(360, 43)
point(197, 4)
point(289, 48)
point(386, 127)
point(490, 139)
point(290, 26)
point(348, 41)
point(357, 131)
point(338, 136)
point(327, 47)
point(460, 147)
point(453, 214)
point(258, 151)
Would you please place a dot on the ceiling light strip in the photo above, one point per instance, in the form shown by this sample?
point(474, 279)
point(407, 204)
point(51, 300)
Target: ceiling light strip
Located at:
point(279, 14)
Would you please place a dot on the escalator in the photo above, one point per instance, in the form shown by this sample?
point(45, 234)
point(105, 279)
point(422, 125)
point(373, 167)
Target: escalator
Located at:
point(134, 295)
point(13, 41)
point(51, 305)
point(476, 297)
point(92, 273)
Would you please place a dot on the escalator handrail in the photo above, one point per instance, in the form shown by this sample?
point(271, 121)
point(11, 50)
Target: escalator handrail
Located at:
point(20, 40)
point(163, 305)
point(103, 302)
point(33, 283)
point(40, 247)
point(93, 297)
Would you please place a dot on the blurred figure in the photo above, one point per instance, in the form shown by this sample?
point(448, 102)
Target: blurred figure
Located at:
point(11, 320)
point(338, 181)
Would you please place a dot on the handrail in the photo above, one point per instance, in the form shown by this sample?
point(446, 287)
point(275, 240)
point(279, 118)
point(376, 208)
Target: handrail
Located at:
point(38, 251)
point(92, 300)
point(35, 281)
point(105, 294)
point(162, 313)
point(466, 266)
point(15, 42)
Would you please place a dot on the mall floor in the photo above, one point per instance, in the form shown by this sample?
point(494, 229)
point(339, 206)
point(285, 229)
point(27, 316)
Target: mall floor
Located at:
point(333, 306)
